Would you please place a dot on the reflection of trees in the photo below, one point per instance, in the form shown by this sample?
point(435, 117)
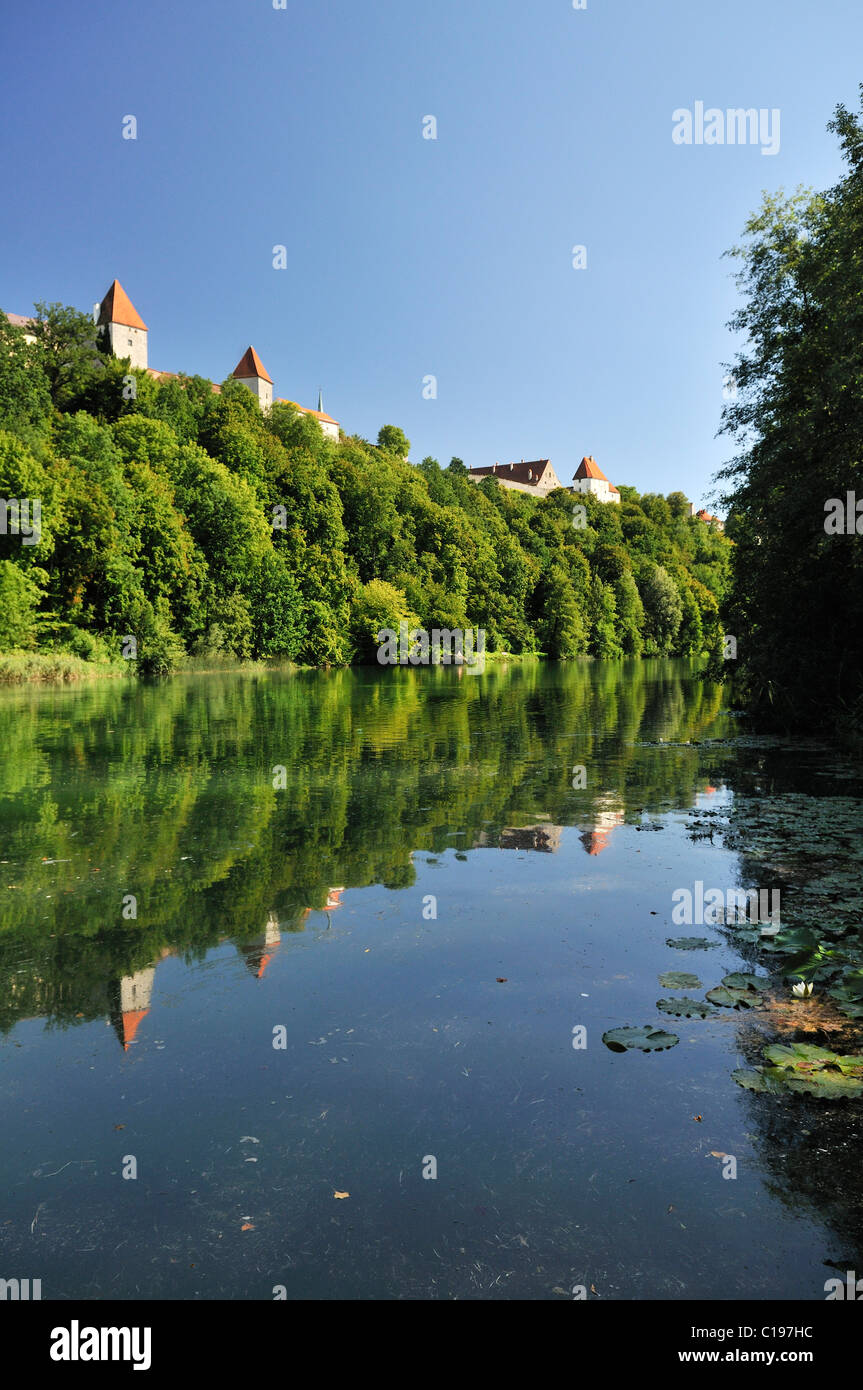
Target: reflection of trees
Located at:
point(808, 1151)
point(808, 1148)
point(166, 792)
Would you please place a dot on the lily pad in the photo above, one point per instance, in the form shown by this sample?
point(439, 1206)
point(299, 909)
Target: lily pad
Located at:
point(803, 1067)
point(684, 1008)
point(647, 1039)
point(806, 1057)
point(823, 1085)
point(679, 979)
point(733, 998)
point(740, 980)
point(755, 1081)
point(691, 943)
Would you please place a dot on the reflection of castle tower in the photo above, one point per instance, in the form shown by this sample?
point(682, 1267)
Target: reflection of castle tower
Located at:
point(609, 814)
point(260, 951)
point(132, 1004)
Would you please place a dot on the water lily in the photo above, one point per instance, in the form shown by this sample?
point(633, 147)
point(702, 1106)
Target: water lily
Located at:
point(802, 989)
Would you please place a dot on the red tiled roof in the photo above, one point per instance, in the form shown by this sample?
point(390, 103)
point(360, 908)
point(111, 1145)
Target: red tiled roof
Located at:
point(117, 307)
point(250, 364)
point(307, 410)
point(589, 468)
point(595, 841)
point(131, 1022)
point(524, 472)
point(265, 960)
point(20, 320)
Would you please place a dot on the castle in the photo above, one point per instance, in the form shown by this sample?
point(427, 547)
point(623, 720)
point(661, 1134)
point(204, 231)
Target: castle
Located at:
point(539, 478)
point(127, 337)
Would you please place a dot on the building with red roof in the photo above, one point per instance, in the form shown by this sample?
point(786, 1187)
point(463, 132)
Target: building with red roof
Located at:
point(537, 477)
point(127, 336)
point(589, 477)
point(705, 516)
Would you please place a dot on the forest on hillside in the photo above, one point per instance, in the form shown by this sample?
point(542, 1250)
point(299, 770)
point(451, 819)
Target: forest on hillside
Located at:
point(188, 518)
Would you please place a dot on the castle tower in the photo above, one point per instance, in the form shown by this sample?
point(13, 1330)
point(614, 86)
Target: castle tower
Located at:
point(589, 477)
point(251, 371)
point(127, 331)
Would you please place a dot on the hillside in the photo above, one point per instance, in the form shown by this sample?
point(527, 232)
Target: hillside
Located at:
point(193, 522)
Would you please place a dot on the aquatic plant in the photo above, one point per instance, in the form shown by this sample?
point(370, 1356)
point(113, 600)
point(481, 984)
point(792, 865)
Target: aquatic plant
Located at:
point(646, 1039)
point(803, 1067)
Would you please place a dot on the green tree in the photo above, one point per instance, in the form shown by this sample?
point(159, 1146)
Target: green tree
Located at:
point(797, 593)
point(394, 441)
point(70, 351)
point(562, 629)
point(603, 621)
point(663, 609)
point(25, 396)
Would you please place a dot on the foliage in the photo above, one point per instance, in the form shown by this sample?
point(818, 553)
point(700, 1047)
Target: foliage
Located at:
point(180, 514)
point(797, 599)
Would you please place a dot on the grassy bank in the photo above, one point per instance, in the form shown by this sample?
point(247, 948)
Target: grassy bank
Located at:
point(17, 668)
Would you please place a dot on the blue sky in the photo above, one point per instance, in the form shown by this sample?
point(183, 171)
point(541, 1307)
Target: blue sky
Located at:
point(409, 257)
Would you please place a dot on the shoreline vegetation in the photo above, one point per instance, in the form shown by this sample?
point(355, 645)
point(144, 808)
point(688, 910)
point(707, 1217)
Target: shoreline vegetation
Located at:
point(63, 667)
point(795, 488)
point(168, 522)
point(191, 522)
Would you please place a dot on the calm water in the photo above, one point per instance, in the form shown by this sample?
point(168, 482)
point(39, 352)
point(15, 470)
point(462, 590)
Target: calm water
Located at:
point(310, 907)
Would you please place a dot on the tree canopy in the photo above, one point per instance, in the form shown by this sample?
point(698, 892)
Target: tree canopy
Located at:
point(797, 416)
point(185, 516)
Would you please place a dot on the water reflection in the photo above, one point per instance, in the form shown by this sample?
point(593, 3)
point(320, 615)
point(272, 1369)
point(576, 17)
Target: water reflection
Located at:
point(166, 793)
point(243, 884)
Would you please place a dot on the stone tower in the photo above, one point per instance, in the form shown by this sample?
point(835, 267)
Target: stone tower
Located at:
point(127, 331)
point(251, 371)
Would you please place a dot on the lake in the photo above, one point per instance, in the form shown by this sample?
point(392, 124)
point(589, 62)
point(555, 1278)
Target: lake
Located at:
point(267, 940)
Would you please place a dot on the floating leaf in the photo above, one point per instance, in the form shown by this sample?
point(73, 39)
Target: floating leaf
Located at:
point(806, 1058)
point(340, 1196)
point(798, 1053)
point(645, 1039)
point(805, 1068)
point(690, 943)
point(740, 980)
point(823, 1085)
point(755, 1081)
point(684, 1007)
point(679, 979)
point(733, 998)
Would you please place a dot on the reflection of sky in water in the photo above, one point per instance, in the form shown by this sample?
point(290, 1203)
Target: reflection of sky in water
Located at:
point(304, 908)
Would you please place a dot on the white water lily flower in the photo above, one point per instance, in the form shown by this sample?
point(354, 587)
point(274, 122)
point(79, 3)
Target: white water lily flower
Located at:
point(802, 989)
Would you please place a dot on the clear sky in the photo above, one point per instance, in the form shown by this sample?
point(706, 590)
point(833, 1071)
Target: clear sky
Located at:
point(410, 257)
